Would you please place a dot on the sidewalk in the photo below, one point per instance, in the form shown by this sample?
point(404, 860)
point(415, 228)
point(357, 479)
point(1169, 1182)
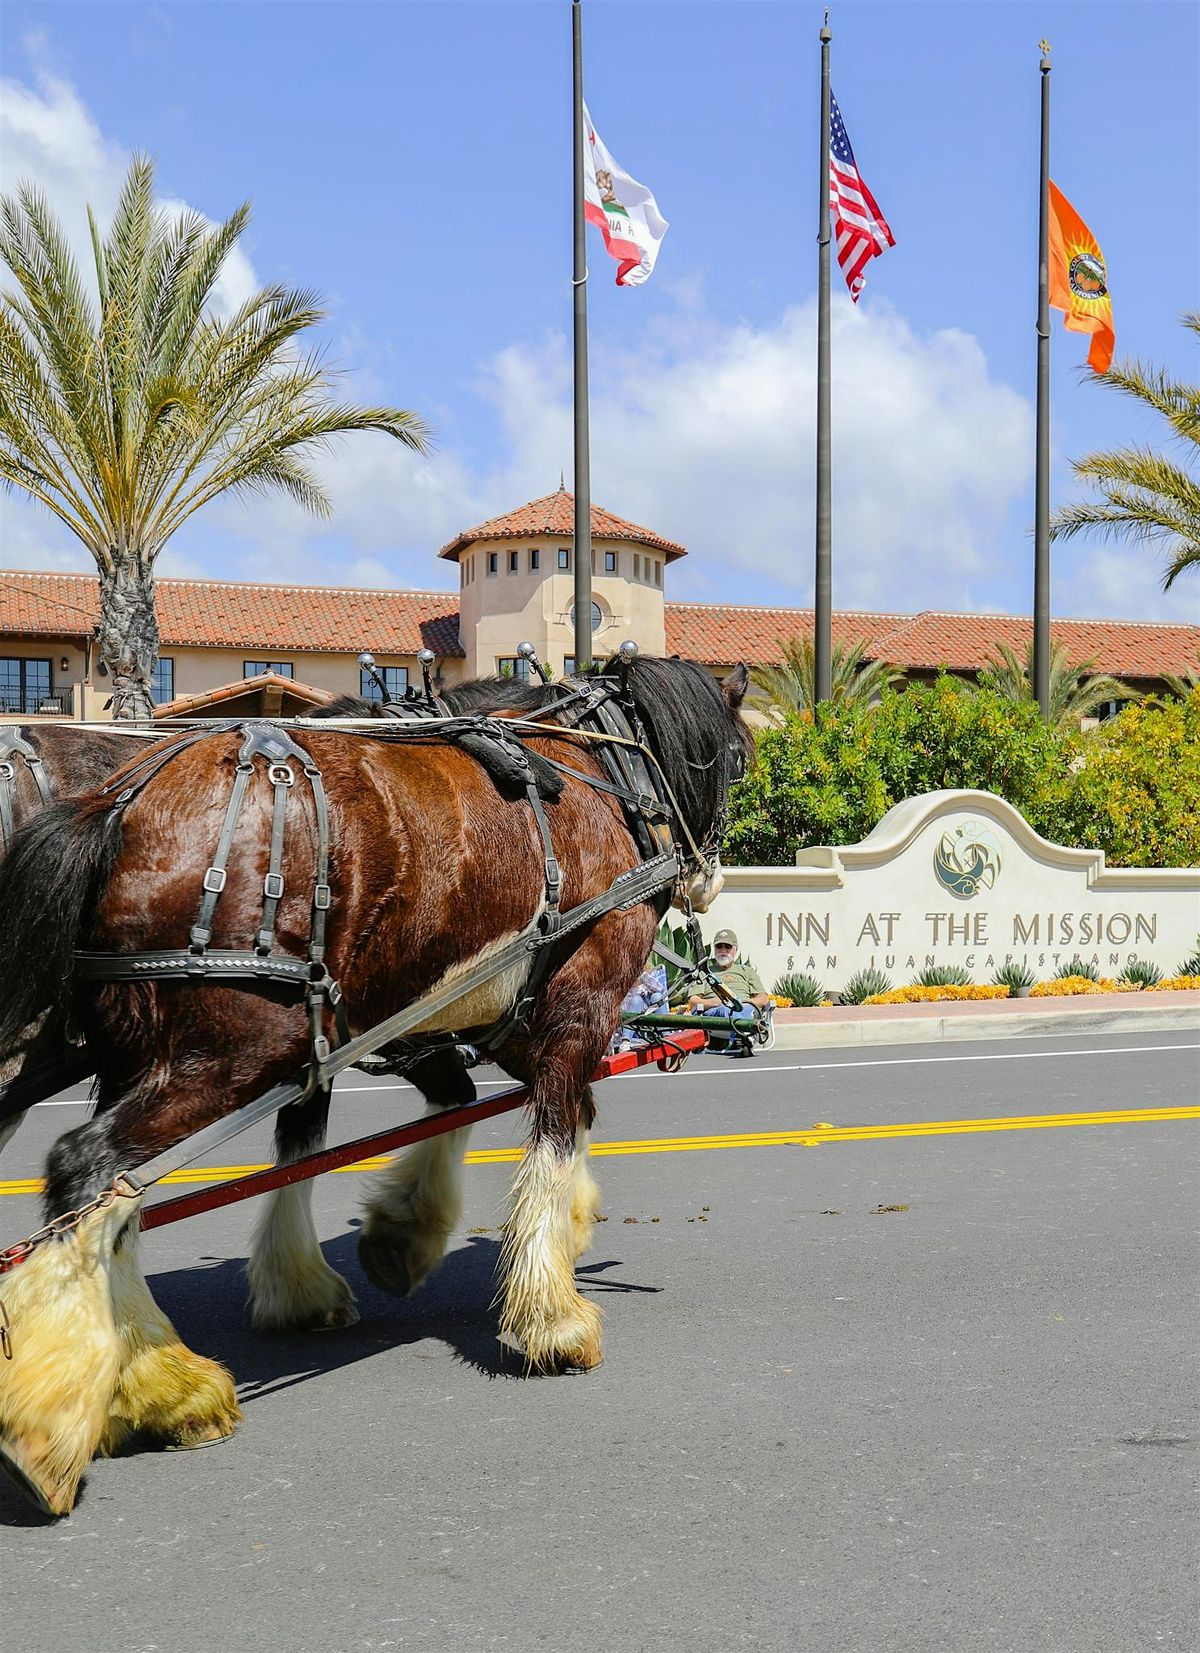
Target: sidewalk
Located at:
point(895, 1024)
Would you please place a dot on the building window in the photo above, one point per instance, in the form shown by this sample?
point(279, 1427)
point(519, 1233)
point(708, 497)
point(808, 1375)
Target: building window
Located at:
point(513, 665)
point(259, 668)
point(24, 685)
point(535, 561)
point(658, 573)
point(396, 678)
point(597, 616)
point(610, 562)
point(568, 665)
point(514, 560)
point(493, 561)
point(162, 681)
point(637, 566)
point(564, 557)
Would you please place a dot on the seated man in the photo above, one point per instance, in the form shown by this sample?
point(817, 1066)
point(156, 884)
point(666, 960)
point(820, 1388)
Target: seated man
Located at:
point(738, 978)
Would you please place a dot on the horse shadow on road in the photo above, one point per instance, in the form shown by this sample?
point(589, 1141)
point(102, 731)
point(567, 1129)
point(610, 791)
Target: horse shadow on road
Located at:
point(207, 1301)
point(456, 1305)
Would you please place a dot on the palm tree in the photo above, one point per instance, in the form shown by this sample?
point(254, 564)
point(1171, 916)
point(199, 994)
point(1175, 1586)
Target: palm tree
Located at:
point(1076, 690)
point(791, 687)
point(125, 410)
point(1146, 497)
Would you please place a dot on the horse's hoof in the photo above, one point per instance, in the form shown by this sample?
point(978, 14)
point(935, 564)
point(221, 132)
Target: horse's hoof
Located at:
point(383, 1253)
point(51, 1497)
point(203, 1437)
point(336, 1320)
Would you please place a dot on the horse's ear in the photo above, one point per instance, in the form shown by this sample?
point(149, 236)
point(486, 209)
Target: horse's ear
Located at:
point(735, 685)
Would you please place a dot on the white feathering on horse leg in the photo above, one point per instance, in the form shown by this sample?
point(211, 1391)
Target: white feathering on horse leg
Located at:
point(56, 1388)
point(291, 1284)
point(415, 1203)
point(163, 1390)
point(543, 1316)
point(585, 1195)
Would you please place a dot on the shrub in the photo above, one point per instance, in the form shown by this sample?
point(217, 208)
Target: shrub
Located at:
point(1067, 986)
point(1140, 973)
point(829, 780)
point(801, 989)
point(1136, 795)
point(1014, 977)
point(1191, 966)
point(864, 985)
point(943, 975)
point(1077, 967)
point(1130, 788)
point(934, 995)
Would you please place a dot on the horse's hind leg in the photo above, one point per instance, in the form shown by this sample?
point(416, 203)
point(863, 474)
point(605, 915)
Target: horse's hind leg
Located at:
point(416, 1202)
point(93, 1360)
point(292, 1287)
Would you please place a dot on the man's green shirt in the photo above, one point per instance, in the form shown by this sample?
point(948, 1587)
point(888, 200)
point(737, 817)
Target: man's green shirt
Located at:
point(739, 978)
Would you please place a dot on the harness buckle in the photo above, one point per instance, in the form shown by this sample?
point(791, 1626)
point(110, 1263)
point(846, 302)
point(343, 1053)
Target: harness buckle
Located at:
point(280, 774)
point(273, 886)
point(322, 897)
point(334, 993)
point(321, 1048)
point(214, 880)
point(6, 771)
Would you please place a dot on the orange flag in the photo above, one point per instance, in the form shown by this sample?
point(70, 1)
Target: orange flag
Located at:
point(1079, 281)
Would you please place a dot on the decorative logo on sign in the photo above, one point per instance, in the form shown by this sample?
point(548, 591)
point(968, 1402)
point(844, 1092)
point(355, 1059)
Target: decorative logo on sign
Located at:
point(967, 860)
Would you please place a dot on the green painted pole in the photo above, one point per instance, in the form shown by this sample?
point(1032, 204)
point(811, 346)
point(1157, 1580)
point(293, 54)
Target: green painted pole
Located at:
point(582, 546)
point(823, 586)
point(1041, 490)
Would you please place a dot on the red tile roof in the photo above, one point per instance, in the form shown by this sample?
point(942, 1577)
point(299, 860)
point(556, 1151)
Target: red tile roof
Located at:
point(555, 514)
point(720, 635)
point(230, 614)
point(305, 694)
point(233, 614)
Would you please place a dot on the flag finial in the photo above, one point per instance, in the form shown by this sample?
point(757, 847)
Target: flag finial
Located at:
point(562, 482)
point(1044, 45)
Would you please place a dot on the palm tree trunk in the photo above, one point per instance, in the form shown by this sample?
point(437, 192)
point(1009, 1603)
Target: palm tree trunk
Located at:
point(128, 635)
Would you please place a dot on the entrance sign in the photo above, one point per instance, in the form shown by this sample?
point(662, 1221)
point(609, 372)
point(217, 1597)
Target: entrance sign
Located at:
point(956, 878)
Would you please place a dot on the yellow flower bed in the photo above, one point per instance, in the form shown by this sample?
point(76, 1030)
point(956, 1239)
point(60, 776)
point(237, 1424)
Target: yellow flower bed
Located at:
point(1177, 984)
point(931, 995)
point(1067, 986)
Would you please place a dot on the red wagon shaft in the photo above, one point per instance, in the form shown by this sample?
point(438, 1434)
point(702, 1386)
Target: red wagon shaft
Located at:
point(667, 1055)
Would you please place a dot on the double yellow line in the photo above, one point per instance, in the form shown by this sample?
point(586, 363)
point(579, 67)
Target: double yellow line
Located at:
point(811, 1136)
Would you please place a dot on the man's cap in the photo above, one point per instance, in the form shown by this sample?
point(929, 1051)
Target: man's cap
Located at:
point(726, 936)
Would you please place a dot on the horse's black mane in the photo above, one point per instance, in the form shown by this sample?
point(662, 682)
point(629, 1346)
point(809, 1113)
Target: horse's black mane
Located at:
point(679, 703)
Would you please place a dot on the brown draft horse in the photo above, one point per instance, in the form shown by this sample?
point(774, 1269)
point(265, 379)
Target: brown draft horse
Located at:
point(432, 869)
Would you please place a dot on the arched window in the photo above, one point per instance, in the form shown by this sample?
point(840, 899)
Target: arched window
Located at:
point(597, 616)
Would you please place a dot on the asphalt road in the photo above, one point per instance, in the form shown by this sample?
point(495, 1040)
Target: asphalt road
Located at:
point(915, 1392)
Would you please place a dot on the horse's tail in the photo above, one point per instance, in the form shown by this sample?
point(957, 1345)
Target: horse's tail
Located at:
point(50, 883)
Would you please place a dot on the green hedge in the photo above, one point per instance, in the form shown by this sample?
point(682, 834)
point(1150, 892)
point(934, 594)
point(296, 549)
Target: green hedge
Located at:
point(1131, 788)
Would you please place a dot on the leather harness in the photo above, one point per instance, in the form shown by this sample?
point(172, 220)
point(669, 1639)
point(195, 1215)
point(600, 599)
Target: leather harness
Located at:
point(13, 746)
point(595, 710)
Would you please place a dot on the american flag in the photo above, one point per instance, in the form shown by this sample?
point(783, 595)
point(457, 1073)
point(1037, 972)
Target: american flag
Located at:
point(859, 228)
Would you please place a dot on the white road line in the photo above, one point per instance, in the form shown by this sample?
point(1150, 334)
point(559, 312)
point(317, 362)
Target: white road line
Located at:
point(743, 1072)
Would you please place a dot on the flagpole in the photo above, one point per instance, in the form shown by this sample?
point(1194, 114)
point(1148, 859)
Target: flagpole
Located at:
point(582, 552)
point(1041, 493)
point(823, 590)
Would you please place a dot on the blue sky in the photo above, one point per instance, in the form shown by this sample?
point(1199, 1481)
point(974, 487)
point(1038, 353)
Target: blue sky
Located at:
point(412, 162)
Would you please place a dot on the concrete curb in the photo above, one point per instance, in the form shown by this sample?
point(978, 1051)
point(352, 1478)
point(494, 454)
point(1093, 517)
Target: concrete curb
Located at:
point(904, 1030)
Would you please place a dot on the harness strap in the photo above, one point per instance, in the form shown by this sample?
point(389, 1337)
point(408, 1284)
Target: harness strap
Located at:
point(282, 779)
point(13, 745)
point(628, 889)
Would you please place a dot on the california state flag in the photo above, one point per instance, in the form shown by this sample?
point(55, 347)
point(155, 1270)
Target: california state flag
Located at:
point(624, 211)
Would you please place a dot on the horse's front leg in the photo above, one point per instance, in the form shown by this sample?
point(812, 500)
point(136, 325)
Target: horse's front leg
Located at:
point(292, 1287)
point(416, 1202)
point(552, 1205)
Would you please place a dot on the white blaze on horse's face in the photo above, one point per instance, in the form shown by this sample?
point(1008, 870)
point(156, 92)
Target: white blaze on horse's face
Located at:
point(701, 887)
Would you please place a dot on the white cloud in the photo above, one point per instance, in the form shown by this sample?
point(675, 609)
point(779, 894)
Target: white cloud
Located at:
point(48, 138)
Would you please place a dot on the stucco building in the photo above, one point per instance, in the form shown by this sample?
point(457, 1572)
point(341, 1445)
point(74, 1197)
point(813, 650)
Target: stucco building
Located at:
point(515, 582)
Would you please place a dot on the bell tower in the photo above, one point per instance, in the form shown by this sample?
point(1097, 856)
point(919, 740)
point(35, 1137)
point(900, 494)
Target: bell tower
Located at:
point(516, 582)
